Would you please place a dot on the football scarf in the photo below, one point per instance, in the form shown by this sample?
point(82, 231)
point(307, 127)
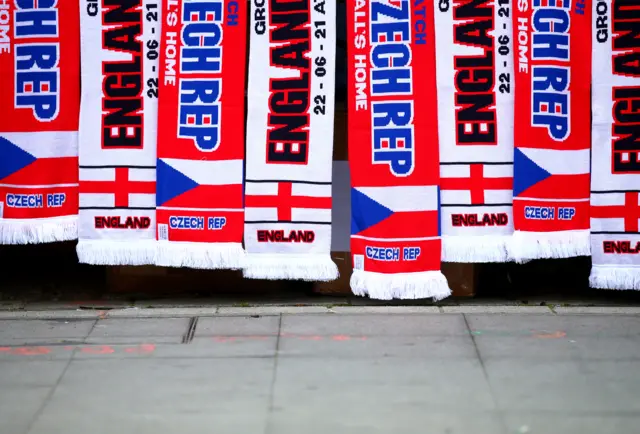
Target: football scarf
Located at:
point(39, 105)
point(474, 58)
point(290, 140)
point(615, 182)
point(120, 40)
point(552, 133)
point(393, 150)
point(201, 134)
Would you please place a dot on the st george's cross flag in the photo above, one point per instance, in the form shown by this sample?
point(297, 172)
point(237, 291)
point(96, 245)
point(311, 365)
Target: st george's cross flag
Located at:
point(552, 134)
point(615, 163)
point(39, 106)
point(474, 58)
point(201, 134)
point(287, 231)
point(118, 123)
point(393, 150)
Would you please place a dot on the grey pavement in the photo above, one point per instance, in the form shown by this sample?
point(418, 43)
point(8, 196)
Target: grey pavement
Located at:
point(336, 370)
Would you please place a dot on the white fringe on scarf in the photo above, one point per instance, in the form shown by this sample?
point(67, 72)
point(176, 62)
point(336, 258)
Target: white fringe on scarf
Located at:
point(110, 252)
point(315, 267)
point(487, 248)
point(209, 256)
point(35, 231)
point(603, 277)
point(407, 286)
point(550, 245)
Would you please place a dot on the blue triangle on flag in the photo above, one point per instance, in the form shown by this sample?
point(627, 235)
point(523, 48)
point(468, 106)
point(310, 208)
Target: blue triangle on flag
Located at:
point(366, 212)
point(528, 173)
point(171, 183)
point(12, 158)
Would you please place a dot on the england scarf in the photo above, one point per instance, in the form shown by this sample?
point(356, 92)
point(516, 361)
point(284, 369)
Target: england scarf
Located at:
point(615, 182)
point(39, 105)
point(474, 58)
point(552, 134)
point(120, 40)
point(290, 140)
point(393, 150)
point(201, 134)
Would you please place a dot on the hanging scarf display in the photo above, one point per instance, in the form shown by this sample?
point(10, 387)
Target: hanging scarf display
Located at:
point(118, 125)
point(552, 137)
point(201, 134)
point(393, 150)
point(474, 59)
point(39, 106)
point(615, 179)
point(291, 88)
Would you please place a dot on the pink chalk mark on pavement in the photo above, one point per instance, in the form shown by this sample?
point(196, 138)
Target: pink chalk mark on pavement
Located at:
point(102, 349)
point(555, 335)
point(141, 349)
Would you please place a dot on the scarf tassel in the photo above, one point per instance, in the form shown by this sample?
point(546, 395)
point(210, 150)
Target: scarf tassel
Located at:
point(49, 230)
point(210, 256)
point(406, 286)
point(315, 267)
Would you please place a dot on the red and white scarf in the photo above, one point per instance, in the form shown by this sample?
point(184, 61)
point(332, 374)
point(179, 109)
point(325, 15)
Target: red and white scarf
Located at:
point(393, 150)
point(552, 135)
point(39, 105)
point(615, 181)
point(290, 140)
point(474, 58)
point(120, 42)
point(201, 134)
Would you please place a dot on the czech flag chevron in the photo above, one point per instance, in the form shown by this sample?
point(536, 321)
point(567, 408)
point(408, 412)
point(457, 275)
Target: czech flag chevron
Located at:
point(39, 108)
point(393, 151)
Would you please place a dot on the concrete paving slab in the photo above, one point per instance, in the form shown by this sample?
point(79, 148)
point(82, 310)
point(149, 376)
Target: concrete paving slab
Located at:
point(621, 381)
point(351, 310)
point(139, 328)
point(43, 329)
point(51, 314)
point(375, 325)
point(250, 420)
point(30, 373)
point(555, 385)
point(174, 312)
point(161, 387)
point(132, 340)
point(557, 346)
point(563, 423)
point(498, 309)
point(379, 419)
point(19, 407)
point(203, 347)
point(572, 325)
point(333, 385)
point(272, 310)
point(601, 310)
point(345, 346)
point(238, 326)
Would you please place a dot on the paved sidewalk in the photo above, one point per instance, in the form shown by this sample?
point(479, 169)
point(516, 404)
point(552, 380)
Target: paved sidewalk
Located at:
point(292, 370)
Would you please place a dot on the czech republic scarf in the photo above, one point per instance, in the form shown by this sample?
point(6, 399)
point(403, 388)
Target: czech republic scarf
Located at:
point(118, 122)
point(201, 134)
point(393, 150)
point(615, 182)
point(551, 160)
point(290, 140)
point(474, 58)
point(39, 105)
